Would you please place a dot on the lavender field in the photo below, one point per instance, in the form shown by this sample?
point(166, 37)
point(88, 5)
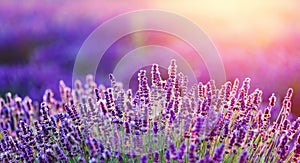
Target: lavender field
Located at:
point(164, 116)
point(163, 121)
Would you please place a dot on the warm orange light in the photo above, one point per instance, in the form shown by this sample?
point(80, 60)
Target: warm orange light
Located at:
point(252, 22)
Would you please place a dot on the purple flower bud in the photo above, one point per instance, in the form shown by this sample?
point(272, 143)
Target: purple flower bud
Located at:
point(155, 127)
point(156, 157)
point(168, 155)
point(144, 158)
point(181, 150)
point(61, 156)
point(127, 127)
point(272, 100)
point(81, 159)
point(243, 157)
point(289, 93)
point(241, 136)
point(93, 160)
point(297, 150)
point(172, 148)
point(207, 158)
point(43, 158)
point(192, 155)
point(50, 154)
point(218, 155)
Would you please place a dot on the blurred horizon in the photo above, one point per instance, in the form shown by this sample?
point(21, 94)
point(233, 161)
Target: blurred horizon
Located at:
point(39, 40)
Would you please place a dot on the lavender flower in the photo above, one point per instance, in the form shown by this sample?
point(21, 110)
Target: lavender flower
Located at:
point(243, 157)
point(61, 156)
point(218, 156)
point(156, 157)
point(144, 158)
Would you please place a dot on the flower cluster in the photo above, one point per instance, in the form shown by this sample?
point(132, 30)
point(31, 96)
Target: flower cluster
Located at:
point(163, 121)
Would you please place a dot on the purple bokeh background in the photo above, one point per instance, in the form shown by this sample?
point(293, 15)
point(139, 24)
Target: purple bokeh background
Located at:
point(40, 40)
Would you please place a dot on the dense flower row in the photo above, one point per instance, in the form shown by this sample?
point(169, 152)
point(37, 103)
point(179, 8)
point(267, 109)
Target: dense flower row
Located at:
point(163, 122)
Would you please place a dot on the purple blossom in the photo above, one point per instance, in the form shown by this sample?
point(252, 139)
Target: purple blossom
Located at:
point(144, 158)
point(218, 155)
point(243, 157)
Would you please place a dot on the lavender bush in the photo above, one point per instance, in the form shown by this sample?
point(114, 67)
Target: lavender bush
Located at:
point(163, 121)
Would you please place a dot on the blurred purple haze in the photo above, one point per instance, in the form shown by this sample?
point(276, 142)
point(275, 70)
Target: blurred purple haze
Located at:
point(39, 42)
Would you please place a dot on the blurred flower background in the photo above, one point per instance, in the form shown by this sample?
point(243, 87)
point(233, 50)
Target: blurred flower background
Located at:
point(39, 41)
